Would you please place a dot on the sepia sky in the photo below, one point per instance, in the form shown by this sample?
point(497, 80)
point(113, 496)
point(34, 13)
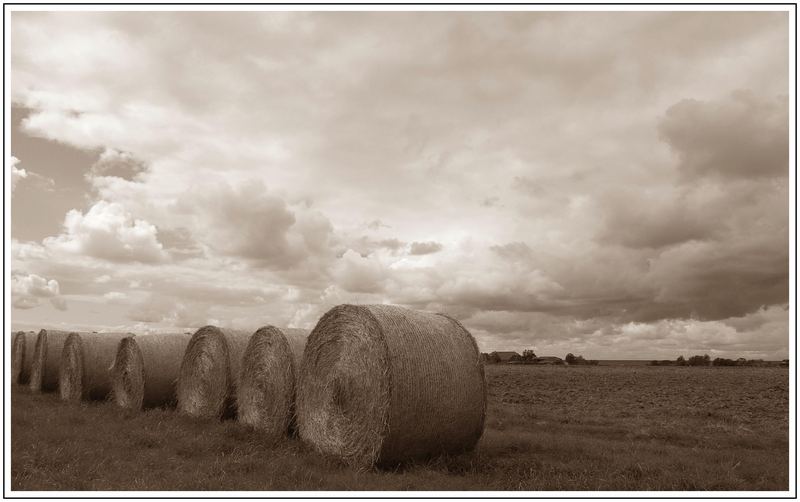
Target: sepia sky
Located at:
point(609, 184)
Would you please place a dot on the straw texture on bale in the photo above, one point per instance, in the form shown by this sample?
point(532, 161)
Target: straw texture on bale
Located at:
point(22, 348)
point(210, 371)
point(46, 360)
point(146, 369)
point(86, 359)
point(381, 384)
point(266, 391)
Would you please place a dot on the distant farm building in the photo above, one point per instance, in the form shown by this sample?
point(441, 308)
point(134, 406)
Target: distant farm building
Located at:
point(504, 356)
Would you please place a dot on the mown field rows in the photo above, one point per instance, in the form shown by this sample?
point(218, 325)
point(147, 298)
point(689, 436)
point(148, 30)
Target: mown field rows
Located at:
point(547, 428)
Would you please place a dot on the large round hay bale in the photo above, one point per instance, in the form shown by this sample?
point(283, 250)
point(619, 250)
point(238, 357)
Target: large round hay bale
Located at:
point(266, 391)
point(22, 349)
point(85, 370)
point(209, 372)
point(46, 360)
point(381, 384)
point(146, 368)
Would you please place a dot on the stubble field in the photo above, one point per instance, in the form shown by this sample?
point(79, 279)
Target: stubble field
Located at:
point(547, 428)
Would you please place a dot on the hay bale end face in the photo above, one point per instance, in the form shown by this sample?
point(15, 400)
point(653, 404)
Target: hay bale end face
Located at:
point(381, 384)
point(209, 372)
point(85, 369)
point(22, 349)
point(47, 360)
point(146, 368)
point(266, 391)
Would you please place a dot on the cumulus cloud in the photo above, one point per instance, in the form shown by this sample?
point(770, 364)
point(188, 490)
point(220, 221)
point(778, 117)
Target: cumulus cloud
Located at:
point(761, 334)
point(180, 243)
point(725, 280)
point(662, 218)
point(421, 248)
point(241, 198)
point(117, 164)
point(27, 290)
point(741, 136)
point(500, 290)
point(17, 173)
point(359, 274)
point(35, 179)
point(249, 222)
point(109, 232)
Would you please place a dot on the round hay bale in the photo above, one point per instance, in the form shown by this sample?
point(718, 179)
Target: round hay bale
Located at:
point(266, 391)
point(146, 368)
point(86, 359)
point(46, 360)
point(209, 372)
point(381, 384)
point(22, 356)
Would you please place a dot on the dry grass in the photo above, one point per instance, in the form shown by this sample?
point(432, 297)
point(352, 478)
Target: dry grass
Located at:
point(547, 428)
point(385, 384)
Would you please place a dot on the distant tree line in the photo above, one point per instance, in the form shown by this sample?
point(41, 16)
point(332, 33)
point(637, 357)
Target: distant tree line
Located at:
point(579, 360)
point(705, 360)
point(528, 356)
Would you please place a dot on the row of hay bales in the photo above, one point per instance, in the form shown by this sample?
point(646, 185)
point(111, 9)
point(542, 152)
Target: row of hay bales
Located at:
point(370, 385)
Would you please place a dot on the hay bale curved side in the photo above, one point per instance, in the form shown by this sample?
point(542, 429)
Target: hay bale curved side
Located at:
point(22, 348)
point(266, 391)
point(145, 369)
point(46, 360)
point(85, 369)
point(209, 372)
point(17, 355)
point(381, 384)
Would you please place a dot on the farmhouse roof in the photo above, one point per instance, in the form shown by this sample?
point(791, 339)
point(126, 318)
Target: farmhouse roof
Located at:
point(506, 355)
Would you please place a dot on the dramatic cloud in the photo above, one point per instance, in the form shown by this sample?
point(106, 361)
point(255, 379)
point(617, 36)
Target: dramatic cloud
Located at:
point(117, 164)
point(109, 232)
point(661, 218)
point(610, 183)
point(745, 136)
point(28, 290)
point(251, 223)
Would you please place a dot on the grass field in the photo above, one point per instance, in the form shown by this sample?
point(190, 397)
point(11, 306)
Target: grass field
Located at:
point(547, 428)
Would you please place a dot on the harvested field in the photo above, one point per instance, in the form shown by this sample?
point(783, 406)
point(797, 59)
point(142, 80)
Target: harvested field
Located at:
point(547, 428)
